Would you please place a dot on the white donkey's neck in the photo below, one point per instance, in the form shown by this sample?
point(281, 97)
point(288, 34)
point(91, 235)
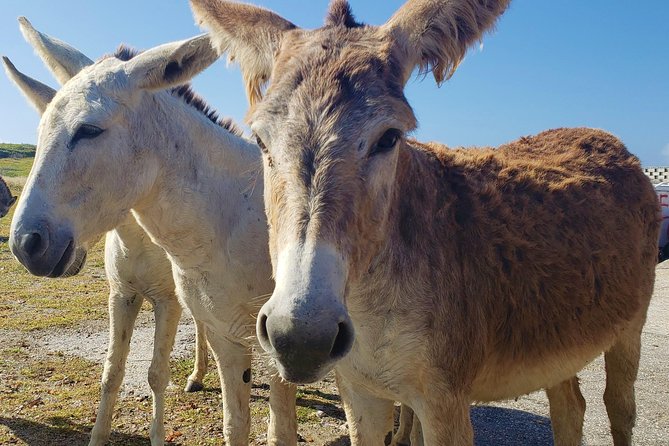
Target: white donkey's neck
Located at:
point(207, 197)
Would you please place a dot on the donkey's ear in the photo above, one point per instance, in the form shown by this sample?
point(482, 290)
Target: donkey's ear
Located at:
point(63, 60)
point(38, 94)
point(171, 64)
point(249, 35)
point(435, 34)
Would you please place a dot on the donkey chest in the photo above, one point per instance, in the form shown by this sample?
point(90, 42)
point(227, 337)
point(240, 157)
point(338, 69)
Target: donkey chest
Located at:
point(386, 358)
point(218, 298)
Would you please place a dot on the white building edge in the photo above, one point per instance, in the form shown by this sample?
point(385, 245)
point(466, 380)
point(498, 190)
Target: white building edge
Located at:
point(657, 175)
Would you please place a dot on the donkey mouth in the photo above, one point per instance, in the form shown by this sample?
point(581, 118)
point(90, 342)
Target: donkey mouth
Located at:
point(301, 373)
point(71, 262)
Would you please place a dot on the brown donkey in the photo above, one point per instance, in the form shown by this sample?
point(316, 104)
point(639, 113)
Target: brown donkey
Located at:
point(431, 276)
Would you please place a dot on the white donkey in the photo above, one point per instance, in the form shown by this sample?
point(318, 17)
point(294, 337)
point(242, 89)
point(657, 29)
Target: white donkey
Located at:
point(136, 269)
point(111, 140)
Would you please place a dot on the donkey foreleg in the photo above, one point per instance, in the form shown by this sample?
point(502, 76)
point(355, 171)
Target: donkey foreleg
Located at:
point(167, 313)
point(195, 380)
point(234, 369)
point(369, 418)
point(123, 310)
point(444, 419)
point(282, 430)
point(403, 435)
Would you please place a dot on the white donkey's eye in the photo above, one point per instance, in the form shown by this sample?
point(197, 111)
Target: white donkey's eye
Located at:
point(85, 131)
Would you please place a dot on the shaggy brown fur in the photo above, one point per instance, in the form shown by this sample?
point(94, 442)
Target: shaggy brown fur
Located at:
point(563, 223)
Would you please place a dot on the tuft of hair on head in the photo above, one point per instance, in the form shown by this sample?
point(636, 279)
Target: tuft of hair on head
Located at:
point(125, 53)
point(340, 14)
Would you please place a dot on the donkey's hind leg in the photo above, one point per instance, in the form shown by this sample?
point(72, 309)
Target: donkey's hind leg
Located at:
point(567, 408)
point(622, 365)
point(403, 435)
point(195, 380)
point(167, 313)
point(123, 310)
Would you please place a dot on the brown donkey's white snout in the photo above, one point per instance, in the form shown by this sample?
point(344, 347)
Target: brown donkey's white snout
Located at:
point(305, 326)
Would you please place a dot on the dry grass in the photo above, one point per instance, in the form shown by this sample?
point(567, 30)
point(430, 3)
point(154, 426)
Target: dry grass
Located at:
point(15, 167)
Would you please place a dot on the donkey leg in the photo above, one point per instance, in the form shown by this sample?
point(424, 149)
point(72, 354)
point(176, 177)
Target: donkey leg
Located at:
point(403, 435)
point(123, 310)
point(369, 418)
point(167, 313)
point(622, 365)
point(282, 430)
point(444, 419)
point(201, 359)
point(234, 369)
point(567, 408)
point(416, 432)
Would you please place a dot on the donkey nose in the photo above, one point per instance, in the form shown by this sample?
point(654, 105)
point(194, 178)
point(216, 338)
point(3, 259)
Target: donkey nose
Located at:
point(34, 244)
point(304, 346)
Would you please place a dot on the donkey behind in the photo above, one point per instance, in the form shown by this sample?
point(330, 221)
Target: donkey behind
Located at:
point(190, 183)
point(6, 198)
point(422, 274)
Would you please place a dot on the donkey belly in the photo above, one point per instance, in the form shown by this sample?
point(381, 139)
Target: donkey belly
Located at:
point(502, 378)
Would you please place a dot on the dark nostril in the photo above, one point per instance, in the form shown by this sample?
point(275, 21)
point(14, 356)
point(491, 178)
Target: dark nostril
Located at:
point(343, 341)
point(31, 244)
point(262, 325)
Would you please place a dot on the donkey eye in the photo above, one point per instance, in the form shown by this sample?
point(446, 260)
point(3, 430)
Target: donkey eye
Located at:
point(85, 131)
point(261, 144)
point(387, 142)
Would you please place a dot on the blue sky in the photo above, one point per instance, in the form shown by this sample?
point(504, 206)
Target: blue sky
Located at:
point(596, 63)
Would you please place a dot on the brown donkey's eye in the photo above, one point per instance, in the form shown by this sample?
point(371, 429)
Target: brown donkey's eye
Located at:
point(387, 142)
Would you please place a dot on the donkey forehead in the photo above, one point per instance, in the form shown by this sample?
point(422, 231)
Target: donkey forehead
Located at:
point(334, 74)
point(96, 90)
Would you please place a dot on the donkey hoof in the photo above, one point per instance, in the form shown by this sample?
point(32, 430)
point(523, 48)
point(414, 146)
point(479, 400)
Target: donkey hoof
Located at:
point(193, 386)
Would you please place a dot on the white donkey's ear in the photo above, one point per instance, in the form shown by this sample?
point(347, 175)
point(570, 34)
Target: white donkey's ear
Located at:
point(435, 34)
point(250, 35)
point(38, 94)
point(63, 60)
point(171, 64)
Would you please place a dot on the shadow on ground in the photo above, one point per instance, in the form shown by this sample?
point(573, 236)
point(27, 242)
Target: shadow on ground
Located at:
point(497, 426)
point(61, 432)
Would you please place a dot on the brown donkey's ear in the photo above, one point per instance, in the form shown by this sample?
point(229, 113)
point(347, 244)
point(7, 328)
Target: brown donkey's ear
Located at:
point(435, 34)
point(249, 35)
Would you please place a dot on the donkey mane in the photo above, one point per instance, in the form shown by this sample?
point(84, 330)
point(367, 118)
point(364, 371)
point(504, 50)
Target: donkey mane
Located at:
point(340, 14)
point(185, 92)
